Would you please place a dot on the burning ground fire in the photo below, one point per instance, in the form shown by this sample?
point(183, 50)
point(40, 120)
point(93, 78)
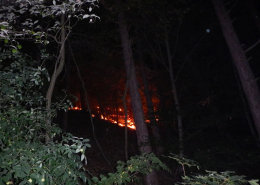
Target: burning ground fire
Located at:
point(121, 121)
point(75, 108)
point(111, 118)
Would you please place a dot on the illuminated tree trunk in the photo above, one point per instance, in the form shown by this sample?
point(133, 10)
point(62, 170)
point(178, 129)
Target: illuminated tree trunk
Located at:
point(243, 68)
point(141, 129)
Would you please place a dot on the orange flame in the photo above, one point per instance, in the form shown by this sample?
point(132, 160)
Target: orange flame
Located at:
point(75, 108)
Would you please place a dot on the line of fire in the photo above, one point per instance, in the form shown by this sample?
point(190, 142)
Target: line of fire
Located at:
point(113, 114)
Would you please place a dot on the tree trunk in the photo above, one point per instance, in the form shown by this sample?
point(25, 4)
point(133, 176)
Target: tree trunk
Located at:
point(57, 70)
point(126, 129)
point(66, 114)
point(175, 96)
point(116, 112)
point(150, 107)
point(82, 99)
point(243, 68)
point(141, 129)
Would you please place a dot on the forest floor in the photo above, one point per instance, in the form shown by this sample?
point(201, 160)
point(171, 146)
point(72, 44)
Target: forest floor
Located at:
point(112, 141)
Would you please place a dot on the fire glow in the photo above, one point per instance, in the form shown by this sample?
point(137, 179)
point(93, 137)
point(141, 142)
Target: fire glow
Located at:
point(75, 108)
point(130, 122)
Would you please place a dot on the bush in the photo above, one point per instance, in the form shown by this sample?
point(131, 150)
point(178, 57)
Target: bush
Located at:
point(25, 158)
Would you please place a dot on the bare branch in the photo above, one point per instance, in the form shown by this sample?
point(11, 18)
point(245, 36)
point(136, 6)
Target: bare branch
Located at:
point(154, 53)
point(251, 47)
point(177, 39)
point(189, 56)
point(232, 7)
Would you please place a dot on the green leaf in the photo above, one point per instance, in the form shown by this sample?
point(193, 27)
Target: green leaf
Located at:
point(95, 179)
point(155, 160)
point(14, 50)
point(85, 140)
point(236, 177)
point(6, 41)
point(82, 157)
point(26, 169)
point(19, 46)
point(253, 182)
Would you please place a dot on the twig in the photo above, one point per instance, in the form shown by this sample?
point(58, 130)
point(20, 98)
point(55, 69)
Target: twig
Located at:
point(251, 47)
point(232, 7)
point(189, 56)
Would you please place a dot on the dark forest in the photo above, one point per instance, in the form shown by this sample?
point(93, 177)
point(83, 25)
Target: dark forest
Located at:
point(129, 92)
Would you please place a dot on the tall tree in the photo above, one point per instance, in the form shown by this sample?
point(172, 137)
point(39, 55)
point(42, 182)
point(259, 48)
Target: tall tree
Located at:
point(148, 96)
point(243, 68)
point(57, 70)
point(163, 48)
point(141, 129)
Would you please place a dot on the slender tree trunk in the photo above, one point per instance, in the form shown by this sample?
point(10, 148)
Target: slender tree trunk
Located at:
point(245, 73)
point(89, 110)
point(57, 70)
point(116, 109)
point(126, 129)
point(66, 114)
point(82, 99)
point(141, 129)
point(175, 95)
point(150, 107)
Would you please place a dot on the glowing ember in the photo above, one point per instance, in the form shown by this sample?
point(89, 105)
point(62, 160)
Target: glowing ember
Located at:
point(129, 125)
point(132, 127)
point(116, 118)
point(75, 108)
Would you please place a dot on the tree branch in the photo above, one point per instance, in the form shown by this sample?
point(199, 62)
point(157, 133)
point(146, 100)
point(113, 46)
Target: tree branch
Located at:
point(251, 47)
point(89, 109)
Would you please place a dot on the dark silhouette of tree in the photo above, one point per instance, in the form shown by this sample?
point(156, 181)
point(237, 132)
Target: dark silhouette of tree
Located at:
point(243, 68)
point(141, 129)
